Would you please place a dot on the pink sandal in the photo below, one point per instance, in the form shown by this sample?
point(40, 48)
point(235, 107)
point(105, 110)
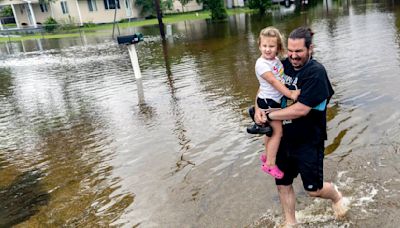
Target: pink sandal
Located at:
point(273, 171)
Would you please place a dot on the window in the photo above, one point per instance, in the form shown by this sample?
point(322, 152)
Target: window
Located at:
point(92, 5)
point(64, 7)
point(43, 7)
point(110, 4)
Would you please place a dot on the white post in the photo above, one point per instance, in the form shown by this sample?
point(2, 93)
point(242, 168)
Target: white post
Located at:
point(8, 48)
point(140, 92)
point(51, 9)
point(84, 39)
point(134, 60)
point(23, 46)
point(32, 14)
point(79, 13)
point(169, 30)
point(39, 42)
point(128, 10)
point(15, 16)
point(1, 25)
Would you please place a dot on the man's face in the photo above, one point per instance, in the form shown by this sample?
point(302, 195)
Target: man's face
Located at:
point(298, 53)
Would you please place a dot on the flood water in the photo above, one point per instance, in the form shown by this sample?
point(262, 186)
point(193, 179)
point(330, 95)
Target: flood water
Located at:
point(83, 143)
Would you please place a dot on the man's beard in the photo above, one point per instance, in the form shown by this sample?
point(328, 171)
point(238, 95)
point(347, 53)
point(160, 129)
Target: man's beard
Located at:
point(298, 60)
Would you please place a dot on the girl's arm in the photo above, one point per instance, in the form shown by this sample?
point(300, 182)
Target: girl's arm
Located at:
point(270, 78)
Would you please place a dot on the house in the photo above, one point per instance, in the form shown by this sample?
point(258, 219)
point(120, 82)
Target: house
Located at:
point(234, 3)
point(32, 13)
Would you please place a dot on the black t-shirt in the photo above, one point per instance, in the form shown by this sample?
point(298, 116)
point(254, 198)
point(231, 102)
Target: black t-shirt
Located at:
point(315, 87)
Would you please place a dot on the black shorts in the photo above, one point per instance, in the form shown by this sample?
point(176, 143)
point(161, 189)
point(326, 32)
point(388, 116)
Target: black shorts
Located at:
point(306, 159)
point(263, 104)
point(267, 103)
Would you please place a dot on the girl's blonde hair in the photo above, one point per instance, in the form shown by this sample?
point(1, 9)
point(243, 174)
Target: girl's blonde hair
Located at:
point(274, 32)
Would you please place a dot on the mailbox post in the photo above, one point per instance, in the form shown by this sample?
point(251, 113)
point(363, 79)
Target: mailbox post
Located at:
point(131, 41)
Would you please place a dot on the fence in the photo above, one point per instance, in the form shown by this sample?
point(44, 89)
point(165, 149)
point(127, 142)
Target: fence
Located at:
point(8, 34)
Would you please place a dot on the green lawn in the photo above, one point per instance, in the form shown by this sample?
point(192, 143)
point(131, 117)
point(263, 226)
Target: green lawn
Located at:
point(167, 19)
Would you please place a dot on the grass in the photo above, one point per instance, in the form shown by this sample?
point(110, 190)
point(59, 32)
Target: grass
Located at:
point(38, 36)
point(167, 19)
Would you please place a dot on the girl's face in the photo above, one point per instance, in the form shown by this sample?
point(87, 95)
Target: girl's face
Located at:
point(268, 47)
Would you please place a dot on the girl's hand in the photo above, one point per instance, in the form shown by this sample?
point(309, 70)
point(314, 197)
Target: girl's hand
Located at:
point(294, 94)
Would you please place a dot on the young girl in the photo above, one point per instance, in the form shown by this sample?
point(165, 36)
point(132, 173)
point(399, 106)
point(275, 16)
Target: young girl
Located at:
point(269, 71)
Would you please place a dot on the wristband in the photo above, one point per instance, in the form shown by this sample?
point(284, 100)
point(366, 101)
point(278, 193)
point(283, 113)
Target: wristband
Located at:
point(268, 118)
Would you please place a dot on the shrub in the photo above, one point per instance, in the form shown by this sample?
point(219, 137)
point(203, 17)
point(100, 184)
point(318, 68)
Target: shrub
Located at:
point(6, 11)
point(50, 24)
point(123, 20)
point(89, 25)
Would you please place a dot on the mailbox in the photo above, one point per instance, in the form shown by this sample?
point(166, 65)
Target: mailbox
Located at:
point(130, 39)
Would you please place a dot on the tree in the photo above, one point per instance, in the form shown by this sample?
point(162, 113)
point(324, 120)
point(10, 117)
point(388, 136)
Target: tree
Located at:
point(261, 5)
point(6, 11)
point(167, 5)
point(149, 9)
point(184, 3)
point(217, 8)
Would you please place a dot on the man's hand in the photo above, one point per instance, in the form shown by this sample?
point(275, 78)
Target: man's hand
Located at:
point(259, 116)
point(262, 116)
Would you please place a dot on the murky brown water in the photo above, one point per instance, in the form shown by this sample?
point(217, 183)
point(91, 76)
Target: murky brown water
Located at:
point(83, 143)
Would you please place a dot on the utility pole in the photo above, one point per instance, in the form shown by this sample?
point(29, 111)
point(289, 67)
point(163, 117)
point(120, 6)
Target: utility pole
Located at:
point(159, 17)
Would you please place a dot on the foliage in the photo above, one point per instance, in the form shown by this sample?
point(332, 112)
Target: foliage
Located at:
point(184, 3)
point(6, 11)
point(50, 24)
point(216, 7)
point(123, 20)
point(89, 25)
point(68, 23)
point(167, 5)
point(146, 5)
point(149, 7)
point(261, 5)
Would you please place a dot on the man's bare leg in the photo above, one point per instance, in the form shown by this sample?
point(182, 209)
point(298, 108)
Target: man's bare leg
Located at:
point(288, 202)
point(329, 191)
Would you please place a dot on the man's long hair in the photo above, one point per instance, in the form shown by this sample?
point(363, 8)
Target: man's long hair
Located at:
point(302, 33)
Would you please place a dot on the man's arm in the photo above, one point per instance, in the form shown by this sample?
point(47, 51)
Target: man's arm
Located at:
point(294, 111)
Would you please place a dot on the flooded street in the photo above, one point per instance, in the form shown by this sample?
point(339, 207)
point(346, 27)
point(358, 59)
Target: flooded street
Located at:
point(83, 143)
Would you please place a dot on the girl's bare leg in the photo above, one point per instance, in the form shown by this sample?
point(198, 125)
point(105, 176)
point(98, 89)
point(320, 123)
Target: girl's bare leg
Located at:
point(272, 144)
point(266, 139)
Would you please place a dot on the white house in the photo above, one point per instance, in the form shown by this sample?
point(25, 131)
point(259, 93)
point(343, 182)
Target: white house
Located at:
point(31, 13)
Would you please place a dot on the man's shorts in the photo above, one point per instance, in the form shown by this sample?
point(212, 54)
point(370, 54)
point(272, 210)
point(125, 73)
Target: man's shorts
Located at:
point(304, 159)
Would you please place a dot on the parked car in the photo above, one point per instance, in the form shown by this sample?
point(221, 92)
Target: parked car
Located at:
point(287, 3)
